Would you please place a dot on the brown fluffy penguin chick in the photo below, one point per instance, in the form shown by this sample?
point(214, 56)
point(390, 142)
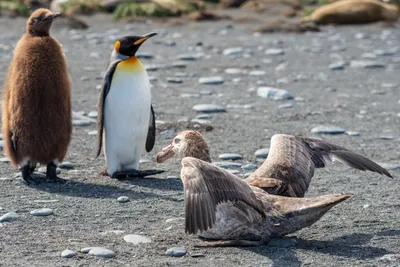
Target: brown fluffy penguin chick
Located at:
point(36, 109)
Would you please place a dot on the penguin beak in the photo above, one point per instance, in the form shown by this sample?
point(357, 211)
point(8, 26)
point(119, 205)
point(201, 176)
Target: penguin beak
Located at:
point(52, 16)
point(166, 153)
point(144, 38)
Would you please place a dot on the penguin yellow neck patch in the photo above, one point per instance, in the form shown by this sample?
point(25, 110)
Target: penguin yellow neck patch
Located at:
point(117, 45)
point(131, 64)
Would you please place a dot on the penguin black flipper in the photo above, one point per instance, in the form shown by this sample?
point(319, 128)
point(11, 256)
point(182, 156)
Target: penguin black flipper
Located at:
point(105, 88)
point(151, 134)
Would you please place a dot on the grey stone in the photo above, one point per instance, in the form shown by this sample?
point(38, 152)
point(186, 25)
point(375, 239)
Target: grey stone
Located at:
point(144, 55)
point(235, 172)
point(274, 52)
point(94, 132)
point(274, 93)
point(208, 108)
point(262, 153)
point(327, 129)
point(233, 51)
point(257, 73)
point(86, 250)
point(9, 216)
point(92, 114)
point(80, 123)
point(249, 166)
point(205, 92)
point(176, 252)
point(187, 57)
point(174, 80)
point(351, 133)
point(137, 239)
point(203, 117)
point(66, 165)
point(386, 137)
point(4, 160)
point(200, 121)
point(123, 199)
point(366, 64)
point(42, 212)
point(68, 253)
point(179, 64)
point(228, 164)
point(285, 106)
point(234, 71)
point(102, 252)
point(337, 66)
point(211, 80)
point(391, 166)
point(230, 156)
point(381, 53)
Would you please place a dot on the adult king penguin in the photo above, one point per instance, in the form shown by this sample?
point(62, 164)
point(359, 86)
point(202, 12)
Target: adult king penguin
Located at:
point(36, 109)
point(125, 113)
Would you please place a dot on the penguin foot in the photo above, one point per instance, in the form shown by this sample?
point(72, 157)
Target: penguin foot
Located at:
point(27, 170)
point(51, 174)
point(135, 173)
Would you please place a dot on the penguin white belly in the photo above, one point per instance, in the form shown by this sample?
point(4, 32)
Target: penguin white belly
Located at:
point(126, 118)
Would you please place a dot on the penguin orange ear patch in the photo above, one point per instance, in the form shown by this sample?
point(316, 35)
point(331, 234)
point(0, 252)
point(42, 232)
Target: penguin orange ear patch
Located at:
point(117, 46)
point(141, 40)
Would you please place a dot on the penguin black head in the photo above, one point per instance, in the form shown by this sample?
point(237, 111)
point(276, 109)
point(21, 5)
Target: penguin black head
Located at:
point(129, 45)
point(40, 21)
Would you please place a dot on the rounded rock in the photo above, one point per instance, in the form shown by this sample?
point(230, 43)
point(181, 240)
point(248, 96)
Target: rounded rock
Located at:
point(102, 252)
point(327, 129)
point(262, 153)
point(230, 156)
point(68, 253)
point(123, 199)
point(209, 108)
point(176, 252)
point(137, 239)
point(8, 217)
point(211, 80)
point(42, 212)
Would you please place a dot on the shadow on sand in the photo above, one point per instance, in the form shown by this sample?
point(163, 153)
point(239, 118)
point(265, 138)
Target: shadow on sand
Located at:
point(76, 188)
point(347, 246)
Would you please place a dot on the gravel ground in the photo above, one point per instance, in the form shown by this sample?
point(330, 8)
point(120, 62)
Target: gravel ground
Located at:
point(362, 231)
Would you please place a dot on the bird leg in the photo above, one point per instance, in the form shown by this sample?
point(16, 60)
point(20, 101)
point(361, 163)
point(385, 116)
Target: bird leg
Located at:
point(134, 173)
point(51, 174)
point(26, 175)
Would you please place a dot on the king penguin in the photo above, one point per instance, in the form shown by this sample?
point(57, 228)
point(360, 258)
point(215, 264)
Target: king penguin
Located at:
point(125, 112)
point(36, 108)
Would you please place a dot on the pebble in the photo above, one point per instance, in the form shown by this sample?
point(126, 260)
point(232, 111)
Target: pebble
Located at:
point(102, 252)
point(42, 212)
point(187, 57)
point(228, 164)
point(328, 129)
point(123, 199)
point(94, 132)
point(66, 165)
point(144, 55)
point(208, 108)
point(351, 133)
point(4, 160)
point(262, 153)
point(200, 121)
point(386, 137)
point(176, 252)
point(92, 114)
point(390, 258)
point(249, 166)
point(366, 64)
point(68, 253)
point(8, 217)
point(137, 239)
point(234, 71)
point(233, 51)
point(286, 105)
point(390, 166)
point(174, 80)
point(230, 156)
point(385, 52)
point(337, 66)
point(257, 73)
point(179, 65)
point(203, 117)
point(274, 52)
point(211, 80)
point(80, 123)
point(274, 93)
point(174, 220)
